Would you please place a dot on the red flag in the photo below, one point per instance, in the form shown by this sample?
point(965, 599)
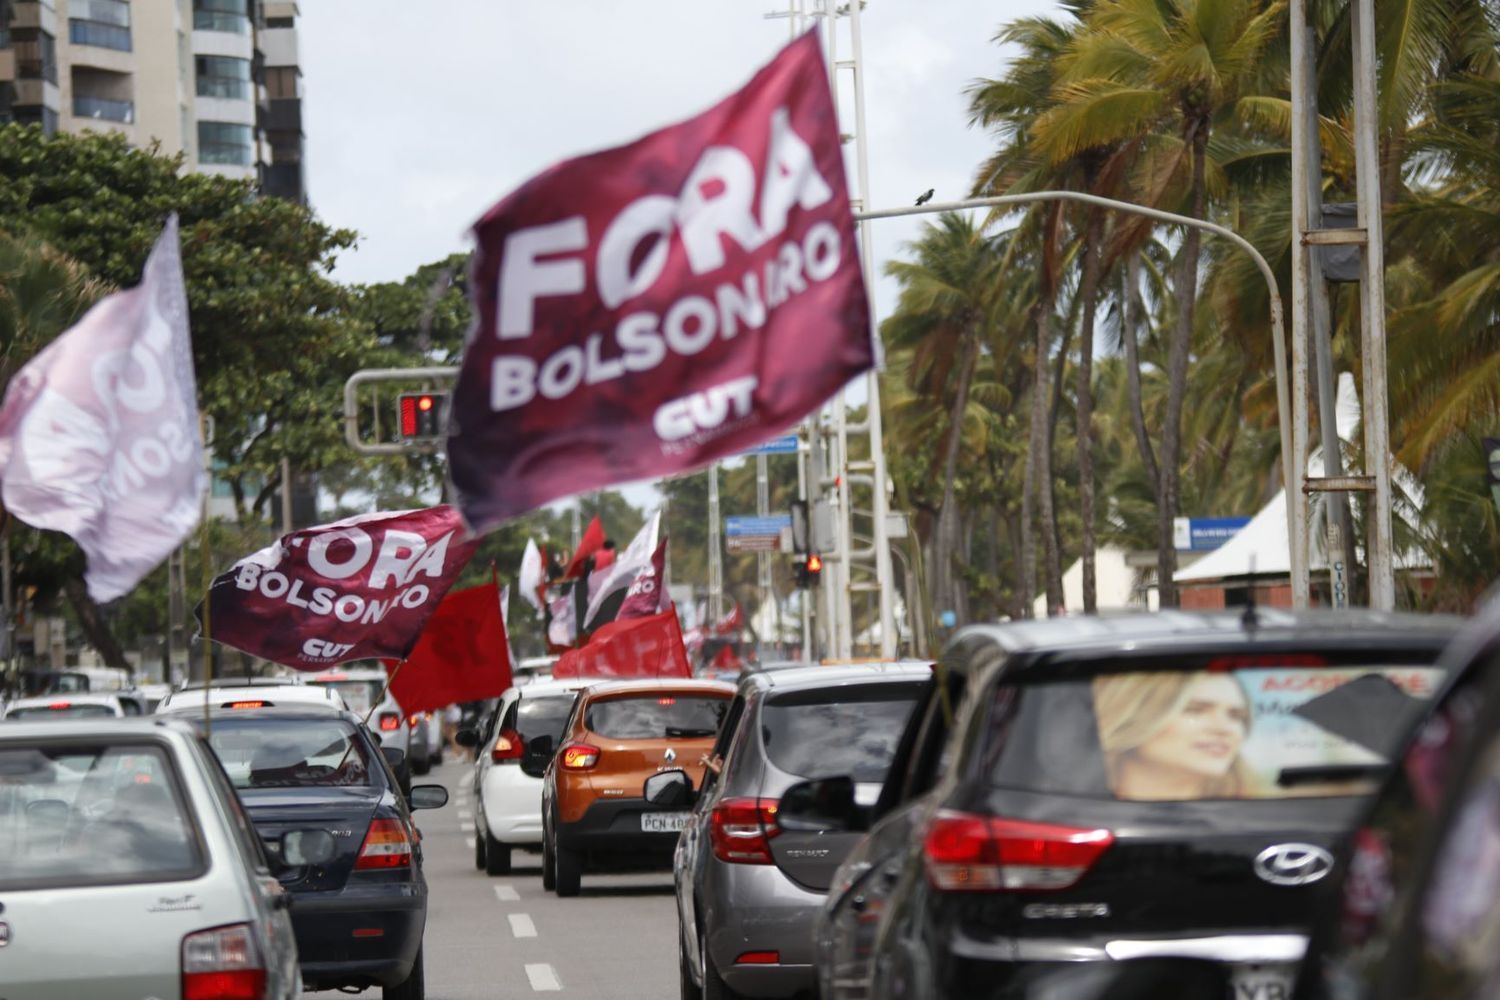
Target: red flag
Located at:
point(640, 647)
point(644, 310)
point(463, 654)
point(732, 623)
point(591, 542)
point(356, 589)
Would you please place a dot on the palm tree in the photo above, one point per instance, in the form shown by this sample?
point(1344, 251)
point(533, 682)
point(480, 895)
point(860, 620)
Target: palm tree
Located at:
point(1167, 72)
point(944, 317)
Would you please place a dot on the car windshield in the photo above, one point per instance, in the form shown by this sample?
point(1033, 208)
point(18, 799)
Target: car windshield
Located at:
point(360, 696)
point(86, 813)
point(655, 716)
point(533, 717)
point(823, 734)
point(1246, 731)
point(61, 710)
point(259, 752)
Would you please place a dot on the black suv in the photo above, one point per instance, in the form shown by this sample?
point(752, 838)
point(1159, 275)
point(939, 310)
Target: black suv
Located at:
point(1129, 806)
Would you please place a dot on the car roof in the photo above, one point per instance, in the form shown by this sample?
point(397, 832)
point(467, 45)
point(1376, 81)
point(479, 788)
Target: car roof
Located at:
point(138, 725)
point(252, 681)
point(1185, 631)
point(812, 678)
point(541, 689)
point(75, 697)
point(679, 684)
point(299, 693)
point(352, 674)
point(277, 712)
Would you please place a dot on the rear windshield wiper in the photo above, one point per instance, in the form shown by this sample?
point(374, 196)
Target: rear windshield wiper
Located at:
point(1317, 774)
point(680, 732)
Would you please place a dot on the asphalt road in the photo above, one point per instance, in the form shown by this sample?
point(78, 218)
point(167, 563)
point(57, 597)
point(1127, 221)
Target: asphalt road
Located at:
point(504, 937)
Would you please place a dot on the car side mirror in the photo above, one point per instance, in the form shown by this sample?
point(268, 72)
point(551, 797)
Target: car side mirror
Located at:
point(669, 789)
point(823, 806)
point(427, 797)
point(467, 738)
point(306, 847)
point(537, 755)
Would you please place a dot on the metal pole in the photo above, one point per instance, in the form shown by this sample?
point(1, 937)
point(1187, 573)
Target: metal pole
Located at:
point(8, 625)
point(715, 554)
point(762, 509)
point(1374, 405)
point(1302, 179)
point(804, 596)
point(286, 496)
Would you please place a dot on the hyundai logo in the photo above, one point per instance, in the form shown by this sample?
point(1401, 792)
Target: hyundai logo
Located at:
point(1293, 864)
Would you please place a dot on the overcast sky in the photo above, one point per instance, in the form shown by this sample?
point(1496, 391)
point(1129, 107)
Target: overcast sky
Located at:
point(419, 116)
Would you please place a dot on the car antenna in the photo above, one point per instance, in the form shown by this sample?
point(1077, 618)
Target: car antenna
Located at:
point(1250, 620)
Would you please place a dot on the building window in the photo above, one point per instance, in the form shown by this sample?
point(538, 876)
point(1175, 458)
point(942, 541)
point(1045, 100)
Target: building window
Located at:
point(104, 36)
point(104, 109)
point(222, 76)
point(221, 15)
point(115, 12)
point(281, 82)
point(226, 143)
point(281, 22)
point(36, 114)
point(36, 54)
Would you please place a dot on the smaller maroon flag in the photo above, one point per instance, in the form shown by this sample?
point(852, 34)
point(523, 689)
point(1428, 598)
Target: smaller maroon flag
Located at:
point(639, 647)
point(648, 591)
point(591, 542)
point(463, 654)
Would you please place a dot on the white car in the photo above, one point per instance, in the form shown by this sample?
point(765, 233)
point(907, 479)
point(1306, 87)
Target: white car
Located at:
point(363, 688)
point(129, 870)
point(509, 813)
point(239, 694)
point(72, 706)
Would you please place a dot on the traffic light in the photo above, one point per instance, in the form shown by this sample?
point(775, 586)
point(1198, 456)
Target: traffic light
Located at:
point(809, 570)
point(420, 415)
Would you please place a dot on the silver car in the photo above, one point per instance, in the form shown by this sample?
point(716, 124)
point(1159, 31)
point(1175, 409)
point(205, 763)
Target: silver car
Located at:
point(128, 869)
point(748, 891)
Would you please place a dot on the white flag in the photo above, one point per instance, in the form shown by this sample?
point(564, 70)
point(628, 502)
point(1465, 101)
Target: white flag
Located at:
point(532, 576)
point(99, 432)
point(621, 573)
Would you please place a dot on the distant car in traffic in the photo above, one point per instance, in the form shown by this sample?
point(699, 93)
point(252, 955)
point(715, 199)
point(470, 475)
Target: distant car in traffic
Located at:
point(1414, 909)
point(1139, 803)
point(359, 917)
point(58, 707)
point(364, 688)
point(595, 812)
point(747, 890)
point(513, 752)
point(127, 869)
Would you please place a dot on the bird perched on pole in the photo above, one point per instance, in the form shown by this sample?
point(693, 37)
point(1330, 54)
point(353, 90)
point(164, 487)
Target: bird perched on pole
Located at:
point(924, 197)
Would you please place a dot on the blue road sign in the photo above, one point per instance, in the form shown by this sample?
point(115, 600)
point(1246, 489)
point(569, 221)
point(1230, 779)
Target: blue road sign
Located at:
point(771, 525)
point(1204, 534)
point(784, 445)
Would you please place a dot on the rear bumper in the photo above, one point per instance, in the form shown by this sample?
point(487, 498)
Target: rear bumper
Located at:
point(757, 908)
point(332, 955)
point(613, 826)
point(511, 802)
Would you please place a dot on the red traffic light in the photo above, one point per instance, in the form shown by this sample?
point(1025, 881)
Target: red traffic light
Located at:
point(814, 563)
point(419, 415)
point(424, 403)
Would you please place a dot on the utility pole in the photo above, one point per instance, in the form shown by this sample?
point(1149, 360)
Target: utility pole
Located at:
point(762, 509)
point(715, 549)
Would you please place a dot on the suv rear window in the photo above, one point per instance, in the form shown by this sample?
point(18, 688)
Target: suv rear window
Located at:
point(83, 814)
point(657, 716)
point(1246, 732)
point(824, 734)
point(289, 753)
point(533, 717)
point(360, 696)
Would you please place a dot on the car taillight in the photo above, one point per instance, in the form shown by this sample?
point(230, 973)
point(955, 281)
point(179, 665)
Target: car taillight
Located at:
point(412, 720)
point(58, 706)
point(222, 964)
point(741, 830)
point(386, 846)
point(508, 746)
point(579, 756)
point(389, 722)
point(967, 853)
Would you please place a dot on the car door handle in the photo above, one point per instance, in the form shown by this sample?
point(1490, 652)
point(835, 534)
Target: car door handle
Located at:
point(858, 904)
point(281, 901)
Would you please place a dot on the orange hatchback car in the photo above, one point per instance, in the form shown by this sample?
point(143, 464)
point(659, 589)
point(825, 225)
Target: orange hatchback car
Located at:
point(595, 815)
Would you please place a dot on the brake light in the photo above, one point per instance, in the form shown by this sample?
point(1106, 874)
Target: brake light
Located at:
point(386, 846)
point(1224, 664)
point(58, 706)
point(412, 720)
point(579, 756)
point(741, 830)
point(222, 964)
point(508, 746)
point(666, 701)
point(389, 722)
point(759, 958)
point(248, 704)
point(329, 678)
point(966, 853)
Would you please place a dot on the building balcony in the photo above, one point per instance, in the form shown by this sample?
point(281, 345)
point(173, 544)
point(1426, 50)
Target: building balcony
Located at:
point(283, 116)
point(104, 108)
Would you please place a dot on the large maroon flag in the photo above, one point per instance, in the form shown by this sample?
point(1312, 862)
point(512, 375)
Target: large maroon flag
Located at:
point(639, 647)
point(355, 589)
point(647, 309)
point(463, 654)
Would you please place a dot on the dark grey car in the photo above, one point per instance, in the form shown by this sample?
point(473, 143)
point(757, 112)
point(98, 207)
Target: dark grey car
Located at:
point(748, 891)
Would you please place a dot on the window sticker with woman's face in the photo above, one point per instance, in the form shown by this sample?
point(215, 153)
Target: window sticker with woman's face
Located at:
point(1252, 732)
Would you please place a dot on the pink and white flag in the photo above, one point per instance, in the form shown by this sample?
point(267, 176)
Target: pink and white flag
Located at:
point(99, 431)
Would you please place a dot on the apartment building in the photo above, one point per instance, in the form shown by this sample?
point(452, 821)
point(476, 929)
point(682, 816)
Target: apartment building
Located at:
point(216, 80)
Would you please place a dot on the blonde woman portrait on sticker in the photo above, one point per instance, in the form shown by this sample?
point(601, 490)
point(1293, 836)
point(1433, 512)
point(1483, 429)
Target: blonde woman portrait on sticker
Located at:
point(1172, 736)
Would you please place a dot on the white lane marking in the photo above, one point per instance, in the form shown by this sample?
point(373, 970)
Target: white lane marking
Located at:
point(465, 814)
point(507, 893)
point(470, 842)
point(543, 979)
point(521, 925)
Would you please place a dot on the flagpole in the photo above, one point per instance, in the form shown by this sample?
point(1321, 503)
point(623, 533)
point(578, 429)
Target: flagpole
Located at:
point(384, 691)
point(206, 631)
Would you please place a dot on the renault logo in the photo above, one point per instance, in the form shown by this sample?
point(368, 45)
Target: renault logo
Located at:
point(670, 755)
point(1293, 864)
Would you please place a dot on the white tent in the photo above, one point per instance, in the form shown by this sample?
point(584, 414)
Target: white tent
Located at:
point(1114, 585)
